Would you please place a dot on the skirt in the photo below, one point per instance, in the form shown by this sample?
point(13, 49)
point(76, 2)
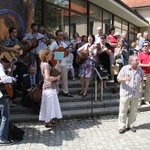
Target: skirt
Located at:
point(50, 107)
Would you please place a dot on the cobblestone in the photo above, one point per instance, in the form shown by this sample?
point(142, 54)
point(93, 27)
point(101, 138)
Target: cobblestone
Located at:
point(84, 134)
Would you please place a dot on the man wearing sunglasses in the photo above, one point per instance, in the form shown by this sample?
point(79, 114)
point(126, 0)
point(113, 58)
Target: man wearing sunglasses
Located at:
point(62, 68)
point(144, 63)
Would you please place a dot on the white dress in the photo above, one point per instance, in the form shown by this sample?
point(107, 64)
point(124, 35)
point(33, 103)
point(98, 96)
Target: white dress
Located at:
point(50, 107)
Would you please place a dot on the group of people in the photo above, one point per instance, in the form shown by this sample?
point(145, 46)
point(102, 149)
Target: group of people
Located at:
point(106, 50)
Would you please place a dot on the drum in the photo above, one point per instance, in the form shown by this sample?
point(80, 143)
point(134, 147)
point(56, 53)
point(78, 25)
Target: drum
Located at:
point(35, 95)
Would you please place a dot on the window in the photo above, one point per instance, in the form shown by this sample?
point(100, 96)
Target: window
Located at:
point(95, 12)
point(124, 25)
point(91, 27)
point(117, 22)
point(80, 21)
point(73, 28)
point(107, 17)
point(131, 27)
point(57, 18)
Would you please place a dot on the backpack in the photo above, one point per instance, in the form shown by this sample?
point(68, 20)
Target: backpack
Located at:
point(15, 133)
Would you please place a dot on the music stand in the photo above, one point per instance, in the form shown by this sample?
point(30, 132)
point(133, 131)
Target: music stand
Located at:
point(96, 75)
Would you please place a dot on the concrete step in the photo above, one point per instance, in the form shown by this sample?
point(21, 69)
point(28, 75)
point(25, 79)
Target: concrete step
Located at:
point(70, 106)
point(76, 106)
point(82, 113)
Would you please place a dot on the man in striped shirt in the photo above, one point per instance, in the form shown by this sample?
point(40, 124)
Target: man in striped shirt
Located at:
point(130, 77)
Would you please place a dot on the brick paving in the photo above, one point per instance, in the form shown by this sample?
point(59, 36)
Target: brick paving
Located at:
point(84, 134)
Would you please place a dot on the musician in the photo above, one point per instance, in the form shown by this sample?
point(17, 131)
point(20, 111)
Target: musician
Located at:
point(62, 68)
point(32, 39)
point(4, 106)
point(43, 31)
point(10, 42)
point(28, 83)
point(8, 49)
point(70, 57)
point(104, 53)
point(85, 68)
point(50, 107)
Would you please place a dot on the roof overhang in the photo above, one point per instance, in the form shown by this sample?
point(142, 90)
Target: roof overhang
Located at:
point(122, 10)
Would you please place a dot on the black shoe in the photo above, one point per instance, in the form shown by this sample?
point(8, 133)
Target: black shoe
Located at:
point(84, 95)
point(9, 142)
point(114, 91)
point(19, 91)
point(133, 129)
point(81, 93)
point(67, 95)
point(121, 131)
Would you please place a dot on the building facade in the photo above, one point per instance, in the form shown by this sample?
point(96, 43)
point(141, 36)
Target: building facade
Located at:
point(83, 16)
point(143, 8)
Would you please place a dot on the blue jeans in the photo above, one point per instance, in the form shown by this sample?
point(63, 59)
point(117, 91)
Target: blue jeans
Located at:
point(5, 114)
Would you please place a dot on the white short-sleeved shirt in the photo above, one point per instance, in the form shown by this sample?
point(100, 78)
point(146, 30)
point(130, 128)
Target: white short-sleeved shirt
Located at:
point(4, 78)
point(55, 45)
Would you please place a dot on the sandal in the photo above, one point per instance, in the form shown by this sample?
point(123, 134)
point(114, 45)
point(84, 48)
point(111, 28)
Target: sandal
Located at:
point(49, 125)
point(53, 122)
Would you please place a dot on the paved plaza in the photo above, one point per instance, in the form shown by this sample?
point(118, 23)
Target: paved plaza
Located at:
point(84, 134)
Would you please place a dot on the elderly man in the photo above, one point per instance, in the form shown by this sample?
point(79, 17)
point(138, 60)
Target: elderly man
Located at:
point(142, 40)
point(130, 77)
point(99, 33)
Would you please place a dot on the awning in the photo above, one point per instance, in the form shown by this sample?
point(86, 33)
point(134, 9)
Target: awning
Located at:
point(122, 10)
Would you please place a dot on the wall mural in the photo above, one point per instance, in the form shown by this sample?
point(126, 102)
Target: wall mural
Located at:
point(17, 13)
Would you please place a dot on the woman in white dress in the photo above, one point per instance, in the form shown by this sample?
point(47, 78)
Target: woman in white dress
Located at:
point(50, 107)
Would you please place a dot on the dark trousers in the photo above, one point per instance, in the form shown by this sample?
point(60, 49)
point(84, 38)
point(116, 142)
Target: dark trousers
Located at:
point(35, 60)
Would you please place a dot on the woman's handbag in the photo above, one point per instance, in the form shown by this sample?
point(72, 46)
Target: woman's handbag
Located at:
point(54, 72)
point(115, 69)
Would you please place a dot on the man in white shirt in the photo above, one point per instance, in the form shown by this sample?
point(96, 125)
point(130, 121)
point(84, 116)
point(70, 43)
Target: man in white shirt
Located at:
point(4, 106)
point(99, 33)
point(62, 68)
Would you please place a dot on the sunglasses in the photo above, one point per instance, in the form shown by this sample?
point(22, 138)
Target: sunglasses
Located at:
point(60, 34)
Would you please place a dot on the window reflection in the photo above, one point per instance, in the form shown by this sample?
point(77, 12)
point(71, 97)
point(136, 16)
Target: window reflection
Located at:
point(107, 17)
point(57, 18)
point(62, 3)
point(117, 22)
point(124, 25)
point(93, 26)
point(79, 5)
point(95, 12)
point(78, 23)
